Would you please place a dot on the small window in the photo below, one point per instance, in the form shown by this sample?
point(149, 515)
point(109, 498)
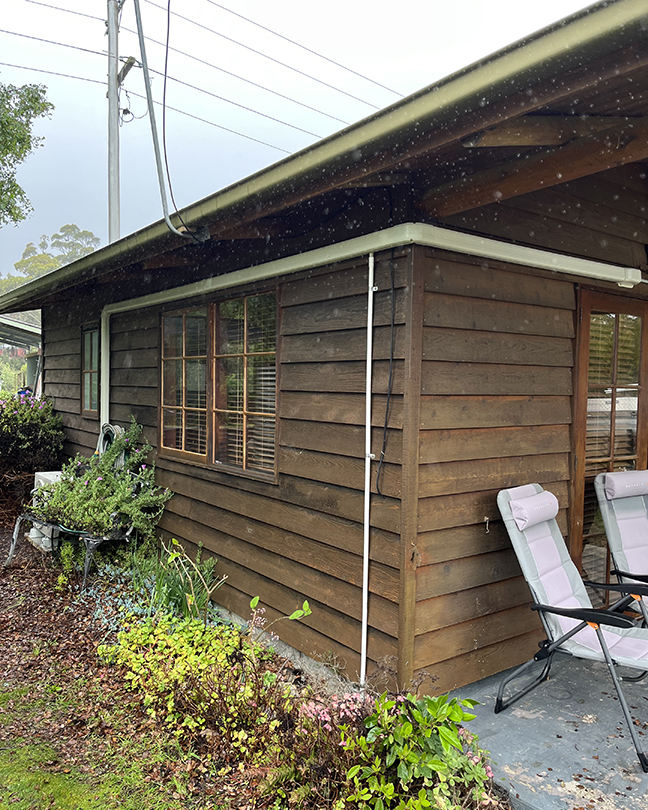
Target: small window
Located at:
point(90, 370)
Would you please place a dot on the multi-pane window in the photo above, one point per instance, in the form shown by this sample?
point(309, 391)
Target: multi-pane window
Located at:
point(245, 373)
point(219, 383)
point(184, 381)
point(90, 369)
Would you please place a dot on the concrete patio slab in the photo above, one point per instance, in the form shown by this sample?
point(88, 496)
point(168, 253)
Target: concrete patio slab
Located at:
point(565, 745)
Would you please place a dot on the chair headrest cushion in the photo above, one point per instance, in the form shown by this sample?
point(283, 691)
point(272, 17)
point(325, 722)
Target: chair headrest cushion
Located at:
point(536, 509)
point(626, 484)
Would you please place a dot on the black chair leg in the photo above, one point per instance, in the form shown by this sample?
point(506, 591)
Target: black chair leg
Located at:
point(643, 759)
point(500, 703)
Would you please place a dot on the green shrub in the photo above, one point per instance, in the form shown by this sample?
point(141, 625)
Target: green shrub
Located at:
point(415, 754)
point(97, 496)
point(31, 435)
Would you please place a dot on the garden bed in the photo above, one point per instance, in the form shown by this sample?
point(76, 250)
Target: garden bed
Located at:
point(68, 720)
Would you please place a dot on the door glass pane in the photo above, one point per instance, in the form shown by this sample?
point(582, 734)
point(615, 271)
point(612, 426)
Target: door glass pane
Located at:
point(599, 414)
point(625, 422)
point(601, 348)
point(629, 344)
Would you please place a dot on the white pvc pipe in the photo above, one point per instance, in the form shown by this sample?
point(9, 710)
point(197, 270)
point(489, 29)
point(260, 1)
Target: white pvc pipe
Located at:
point(367, 478)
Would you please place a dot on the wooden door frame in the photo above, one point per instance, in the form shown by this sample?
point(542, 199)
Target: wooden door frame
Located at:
point(596, 301)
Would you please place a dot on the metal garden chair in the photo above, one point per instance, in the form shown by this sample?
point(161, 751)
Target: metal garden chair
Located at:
point(571, 624)
point(623, 501)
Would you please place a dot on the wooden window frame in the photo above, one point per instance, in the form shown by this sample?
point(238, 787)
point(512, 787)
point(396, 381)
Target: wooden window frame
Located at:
point(92, 329)
point(207, 460)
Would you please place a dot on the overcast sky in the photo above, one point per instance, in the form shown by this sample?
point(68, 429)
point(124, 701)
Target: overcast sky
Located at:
point(403, 46)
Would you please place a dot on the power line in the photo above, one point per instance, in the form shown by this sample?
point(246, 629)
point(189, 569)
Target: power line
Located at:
point(241, 78)
point(209, 64)
point(266, 56)
point(67, 10)
point(52, 73)
point(236, 104)
point(51, 42)
point(179, 81)
point(138, 95)
point(304, 47)
point(218, 126)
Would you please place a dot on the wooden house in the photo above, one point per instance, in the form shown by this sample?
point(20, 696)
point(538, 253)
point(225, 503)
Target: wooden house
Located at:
point(502, 338)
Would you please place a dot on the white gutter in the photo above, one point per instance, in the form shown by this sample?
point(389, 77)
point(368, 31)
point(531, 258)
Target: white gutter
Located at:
point(369, 456)
point(409, 233)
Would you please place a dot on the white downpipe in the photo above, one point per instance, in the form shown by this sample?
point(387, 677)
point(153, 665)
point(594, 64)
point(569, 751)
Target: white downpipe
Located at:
point(369, 456)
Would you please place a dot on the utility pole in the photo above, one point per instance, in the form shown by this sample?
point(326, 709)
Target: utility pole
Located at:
point(113, 122)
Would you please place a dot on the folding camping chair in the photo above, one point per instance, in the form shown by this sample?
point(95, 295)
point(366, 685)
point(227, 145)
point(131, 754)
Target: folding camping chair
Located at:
point(571, 624)
point(623, 501)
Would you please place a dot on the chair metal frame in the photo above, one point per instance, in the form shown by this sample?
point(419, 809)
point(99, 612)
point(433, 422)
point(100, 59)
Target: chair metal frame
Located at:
point(585, 615)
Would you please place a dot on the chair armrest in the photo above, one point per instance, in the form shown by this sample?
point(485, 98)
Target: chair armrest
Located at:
point(638, 577)
point(587, 615)
point(619, 587)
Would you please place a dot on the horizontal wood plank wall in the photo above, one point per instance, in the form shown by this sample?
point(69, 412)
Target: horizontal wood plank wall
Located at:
point(602, 217)
point(62, 376)
point(134, 357)
point(495, 412)
point(302, 537)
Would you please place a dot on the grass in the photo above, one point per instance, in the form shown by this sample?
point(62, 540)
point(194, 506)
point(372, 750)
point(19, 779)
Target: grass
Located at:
point(117, 771)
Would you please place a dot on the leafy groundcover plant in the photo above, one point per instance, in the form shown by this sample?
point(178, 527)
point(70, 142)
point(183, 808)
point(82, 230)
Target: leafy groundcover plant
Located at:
point(229, 700)
point(98, 495)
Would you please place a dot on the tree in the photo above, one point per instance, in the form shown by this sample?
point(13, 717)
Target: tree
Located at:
point(19, 108)
point(71, 243)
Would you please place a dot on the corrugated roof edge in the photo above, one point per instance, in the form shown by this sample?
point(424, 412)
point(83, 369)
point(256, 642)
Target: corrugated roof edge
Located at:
point(594, 31)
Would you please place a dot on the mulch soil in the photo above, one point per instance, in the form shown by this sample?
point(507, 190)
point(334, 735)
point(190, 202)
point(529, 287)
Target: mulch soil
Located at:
point(48, 644)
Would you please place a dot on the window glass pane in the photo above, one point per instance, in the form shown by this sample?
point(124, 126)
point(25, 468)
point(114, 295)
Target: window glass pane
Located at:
point(629, 350)
point(260, 443)
point(229, 383)
point(95, 351)
point(601, 349)
point(94, 392)
point(196, 432)
point(229, 444)
point(599, 411)
point(87, 351)
point(196, 384)
point(172, 336)
point(86, 392)
point(261, 384)
point(196, 334)
point(172, 382)
point(172, 429)
point(262, 323)
point(625, 422)
point(230, 318)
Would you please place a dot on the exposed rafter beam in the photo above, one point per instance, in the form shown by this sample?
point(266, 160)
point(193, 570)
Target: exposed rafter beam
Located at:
point(627, 143)
point(543, 130)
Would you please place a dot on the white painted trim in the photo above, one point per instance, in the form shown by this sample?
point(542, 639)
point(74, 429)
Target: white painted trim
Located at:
point(367, 477)
point(409, 233)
